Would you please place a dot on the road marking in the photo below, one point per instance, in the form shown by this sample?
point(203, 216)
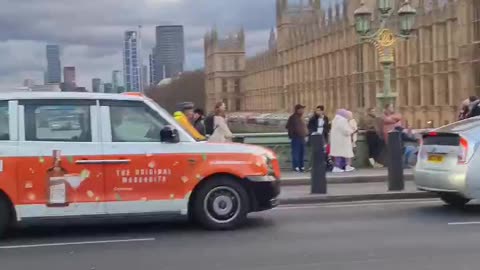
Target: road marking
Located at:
point(465, 223)
point(78, 243)
point(339, 205)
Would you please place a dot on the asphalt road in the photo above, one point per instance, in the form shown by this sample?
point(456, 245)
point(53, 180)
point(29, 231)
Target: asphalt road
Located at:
point(402, 235)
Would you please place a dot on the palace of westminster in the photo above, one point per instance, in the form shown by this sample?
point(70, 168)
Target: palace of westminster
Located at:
point(315, 57)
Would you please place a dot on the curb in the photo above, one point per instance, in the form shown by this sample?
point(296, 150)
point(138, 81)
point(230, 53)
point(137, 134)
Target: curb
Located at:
point(302, 181)
point(308, 199)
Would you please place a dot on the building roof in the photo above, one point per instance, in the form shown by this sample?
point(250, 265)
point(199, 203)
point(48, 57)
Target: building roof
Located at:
point(66, 95)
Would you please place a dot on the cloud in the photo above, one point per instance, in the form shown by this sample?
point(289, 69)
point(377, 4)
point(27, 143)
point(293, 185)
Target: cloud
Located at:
point(91, 31)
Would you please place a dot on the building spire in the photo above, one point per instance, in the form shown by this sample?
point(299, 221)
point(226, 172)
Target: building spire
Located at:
point(272, 39)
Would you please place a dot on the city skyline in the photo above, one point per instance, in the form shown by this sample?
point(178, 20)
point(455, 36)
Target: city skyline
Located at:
point(95, 47)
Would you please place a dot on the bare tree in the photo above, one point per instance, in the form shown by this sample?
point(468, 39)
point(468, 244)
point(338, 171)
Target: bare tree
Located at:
point(190, 86)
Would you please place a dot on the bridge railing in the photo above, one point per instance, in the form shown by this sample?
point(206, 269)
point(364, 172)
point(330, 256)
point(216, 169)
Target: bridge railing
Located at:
point(280, 144)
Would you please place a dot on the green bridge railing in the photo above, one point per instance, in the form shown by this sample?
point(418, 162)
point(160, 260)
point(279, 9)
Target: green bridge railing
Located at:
point(280, 144)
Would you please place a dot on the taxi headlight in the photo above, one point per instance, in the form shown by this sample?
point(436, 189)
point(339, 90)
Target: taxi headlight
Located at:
point(268, 161)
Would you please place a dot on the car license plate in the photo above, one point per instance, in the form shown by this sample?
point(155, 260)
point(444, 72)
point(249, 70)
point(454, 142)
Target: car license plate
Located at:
point(437, 159)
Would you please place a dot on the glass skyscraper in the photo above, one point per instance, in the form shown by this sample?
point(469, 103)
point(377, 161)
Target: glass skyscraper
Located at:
point(132, 65)
point(169, 52)
point(54, 67)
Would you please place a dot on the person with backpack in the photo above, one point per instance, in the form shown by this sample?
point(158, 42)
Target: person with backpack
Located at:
point(208, 123)
point(185, 118)
point(198, 118)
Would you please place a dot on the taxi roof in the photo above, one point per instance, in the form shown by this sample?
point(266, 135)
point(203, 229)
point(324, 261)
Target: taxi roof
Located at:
point(68, 95)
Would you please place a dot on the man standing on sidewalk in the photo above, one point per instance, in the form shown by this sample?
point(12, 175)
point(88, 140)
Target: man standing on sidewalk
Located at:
point(319, 123)
point(297, 132)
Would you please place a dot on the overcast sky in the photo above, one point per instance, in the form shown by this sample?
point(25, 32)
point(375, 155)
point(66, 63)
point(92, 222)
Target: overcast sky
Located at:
point(90, 31)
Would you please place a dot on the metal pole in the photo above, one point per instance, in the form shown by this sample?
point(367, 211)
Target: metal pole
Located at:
point(387, 83)
point(395, 162)
point(318, 177)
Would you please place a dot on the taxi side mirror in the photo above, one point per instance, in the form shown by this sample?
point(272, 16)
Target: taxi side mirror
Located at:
point(169, 134)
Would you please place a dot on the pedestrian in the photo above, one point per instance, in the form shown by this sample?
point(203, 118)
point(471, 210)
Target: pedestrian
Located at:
point(184, 116)
point(198, 118)
point(297, 132)
point(390, 120)
point(341, 147)
point(474, 107)
point(319, 123)
point(373, 134)
point(464, 110)
point(221, 131)
point(353, 123)
point(408, 149)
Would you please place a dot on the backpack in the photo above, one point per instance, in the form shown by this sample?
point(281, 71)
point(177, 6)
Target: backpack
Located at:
point(209, 125)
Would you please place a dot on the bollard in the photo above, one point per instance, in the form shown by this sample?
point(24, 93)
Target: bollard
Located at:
point(395, 161)
point(318, 176)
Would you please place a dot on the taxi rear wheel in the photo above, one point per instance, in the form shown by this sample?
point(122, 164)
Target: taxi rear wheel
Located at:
point(454, 200)
point(221, 203)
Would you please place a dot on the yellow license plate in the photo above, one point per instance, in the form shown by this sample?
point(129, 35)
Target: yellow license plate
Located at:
point(435, 158)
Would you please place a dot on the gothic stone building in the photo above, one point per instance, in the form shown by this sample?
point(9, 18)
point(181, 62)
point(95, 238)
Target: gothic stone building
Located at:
point(315, 57)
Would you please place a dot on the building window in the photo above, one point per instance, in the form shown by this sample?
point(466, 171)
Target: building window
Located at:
point(4, 120)
point(238, 104)
point(224, 85)
point(476, 76)
point(135, 122)
point(237, 86)
point(61, 123)
point(236, 63)
point(476, 21)
point(224, 64)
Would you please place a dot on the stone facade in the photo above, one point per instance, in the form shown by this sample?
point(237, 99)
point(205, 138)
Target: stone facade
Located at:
point(316, 58)
point(225, 70)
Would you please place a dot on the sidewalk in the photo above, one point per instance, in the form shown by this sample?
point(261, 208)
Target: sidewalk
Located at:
point(290, 178)
point(349, 193)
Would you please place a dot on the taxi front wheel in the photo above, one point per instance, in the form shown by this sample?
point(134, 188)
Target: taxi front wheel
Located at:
point(221, 204)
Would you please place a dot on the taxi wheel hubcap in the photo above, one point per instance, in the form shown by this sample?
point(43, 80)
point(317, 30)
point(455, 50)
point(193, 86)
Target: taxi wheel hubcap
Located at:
point(222, 204)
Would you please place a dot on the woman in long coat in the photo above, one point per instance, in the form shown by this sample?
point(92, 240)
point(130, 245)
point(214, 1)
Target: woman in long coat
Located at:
point(341, 147)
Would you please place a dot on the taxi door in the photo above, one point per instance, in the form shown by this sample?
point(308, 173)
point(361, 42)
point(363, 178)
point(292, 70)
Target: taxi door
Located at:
point(59, 173)
point(138, 181)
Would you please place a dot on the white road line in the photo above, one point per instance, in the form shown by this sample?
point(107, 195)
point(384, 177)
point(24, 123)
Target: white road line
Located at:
point(464, 223)
point(339, 205)
point(78, 243)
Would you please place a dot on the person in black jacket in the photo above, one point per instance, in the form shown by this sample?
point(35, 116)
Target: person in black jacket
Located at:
point(319, 123)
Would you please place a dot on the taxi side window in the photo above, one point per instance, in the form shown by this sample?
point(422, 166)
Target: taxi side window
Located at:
point(69, 123)
point(4, 121)
point(135, 122)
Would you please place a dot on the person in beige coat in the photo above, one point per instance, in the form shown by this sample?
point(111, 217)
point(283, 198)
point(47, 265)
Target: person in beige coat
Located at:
point(221, 132)
point(341, 143)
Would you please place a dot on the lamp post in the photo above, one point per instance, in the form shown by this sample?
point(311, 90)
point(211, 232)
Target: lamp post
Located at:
point(384, 38)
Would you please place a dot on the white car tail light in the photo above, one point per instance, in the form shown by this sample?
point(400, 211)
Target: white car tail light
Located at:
point(462, 151)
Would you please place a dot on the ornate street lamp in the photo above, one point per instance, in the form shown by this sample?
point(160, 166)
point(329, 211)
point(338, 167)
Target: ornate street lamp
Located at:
point(385, 6)
point(384, 38)
point(407, 18)
point(363, 17)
